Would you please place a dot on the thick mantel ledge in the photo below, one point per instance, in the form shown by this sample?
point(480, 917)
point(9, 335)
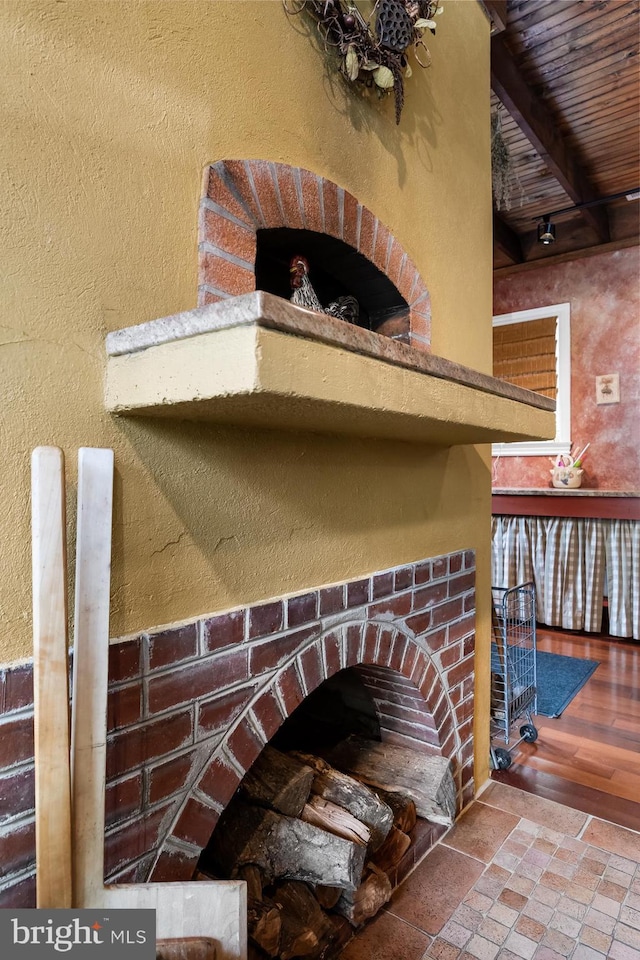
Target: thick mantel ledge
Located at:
point(258, 360)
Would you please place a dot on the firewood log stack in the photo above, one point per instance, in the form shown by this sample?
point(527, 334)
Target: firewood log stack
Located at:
point(316, 845)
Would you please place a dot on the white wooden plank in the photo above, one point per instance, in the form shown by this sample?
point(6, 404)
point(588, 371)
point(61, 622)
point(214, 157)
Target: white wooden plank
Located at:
point(90, 669)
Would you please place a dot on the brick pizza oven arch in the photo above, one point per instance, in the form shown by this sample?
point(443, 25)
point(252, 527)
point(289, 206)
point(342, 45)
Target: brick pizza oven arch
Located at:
point(242, 197)
point(411, 700)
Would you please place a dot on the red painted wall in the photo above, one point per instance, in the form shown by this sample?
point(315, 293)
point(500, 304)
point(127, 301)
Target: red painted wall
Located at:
point(604, 293)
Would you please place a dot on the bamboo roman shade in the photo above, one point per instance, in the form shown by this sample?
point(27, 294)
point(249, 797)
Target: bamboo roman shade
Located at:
point(525, 354)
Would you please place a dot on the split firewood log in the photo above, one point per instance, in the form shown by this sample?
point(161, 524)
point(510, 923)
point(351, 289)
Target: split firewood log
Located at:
point(362, 802)
point(392, 850)
point(278, 781)
point(296, 940)
point(342, 932)
point(264, 925)
point(253, 878)
point(283, 847)
point(404, 809)
point(426, 778)
point(329, 816)
point(363, 903)
point(186, 948)
point(327, 897)
point(296, 900)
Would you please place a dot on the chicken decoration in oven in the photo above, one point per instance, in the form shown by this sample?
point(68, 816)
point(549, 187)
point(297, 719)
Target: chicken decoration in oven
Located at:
point(304, 295)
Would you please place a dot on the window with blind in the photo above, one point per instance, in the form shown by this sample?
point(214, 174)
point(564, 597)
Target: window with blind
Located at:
point(525, 354)
point(532, 348)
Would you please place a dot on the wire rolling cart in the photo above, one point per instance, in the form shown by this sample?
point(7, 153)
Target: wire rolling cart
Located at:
point(513, 668)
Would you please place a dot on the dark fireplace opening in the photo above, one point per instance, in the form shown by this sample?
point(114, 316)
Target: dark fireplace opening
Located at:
point(326, 822)
point(335, 270)
point(339, 707)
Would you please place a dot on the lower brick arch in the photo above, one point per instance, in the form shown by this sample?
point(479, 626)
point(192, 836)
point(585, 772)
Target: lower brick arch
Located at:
point(176, 690)
point(408, 691)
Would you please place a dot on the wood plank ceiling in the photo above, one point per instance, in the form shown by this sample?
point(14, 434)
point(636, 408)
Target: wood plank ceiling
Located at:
point(565, 80)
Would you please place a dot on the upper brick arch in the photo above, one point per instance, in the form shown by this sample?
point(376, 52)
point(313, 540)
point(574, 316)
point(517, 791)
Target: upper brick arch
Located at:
point(240, 197)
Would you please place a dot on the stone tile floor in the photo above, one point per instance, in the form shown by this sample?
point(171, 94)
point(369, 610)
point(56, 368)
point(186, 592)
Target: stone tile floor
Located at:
point(518, 877)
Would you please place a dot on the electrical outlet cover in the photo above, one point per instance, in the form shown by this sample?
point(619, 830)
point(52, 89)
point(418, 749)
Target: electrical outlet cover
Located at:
point(608, 388)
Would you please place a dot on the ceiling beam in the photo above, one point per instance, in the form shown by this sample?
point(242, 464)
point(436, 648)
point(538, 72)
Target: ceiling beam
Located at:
point(497, 10)
point(507, 240)
point(567, 257)
point(540, 128)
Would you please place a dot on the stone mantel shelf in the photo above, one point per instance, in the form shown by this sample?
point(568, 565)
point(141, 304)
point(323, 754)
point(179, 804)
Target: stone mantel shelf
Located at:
point(259, 360)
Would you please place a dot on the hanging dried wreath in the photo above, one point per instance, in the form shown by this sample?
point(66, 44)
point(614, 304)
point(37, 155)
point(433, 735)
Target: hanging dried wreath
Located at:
point(374, 50)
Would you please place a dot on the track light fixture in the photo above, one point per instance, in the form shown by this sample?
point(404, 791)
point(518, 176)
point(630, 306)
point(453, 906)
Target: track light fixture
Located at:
point(546, 230)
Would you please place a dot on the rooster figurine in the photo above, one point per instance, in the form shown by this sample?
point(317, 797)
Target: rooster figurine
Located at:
point(344, 308)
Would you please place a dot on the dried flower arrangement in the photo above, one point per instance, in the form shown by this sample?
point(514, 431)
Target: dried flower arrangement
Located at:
point(374, 50)
point(503, 175)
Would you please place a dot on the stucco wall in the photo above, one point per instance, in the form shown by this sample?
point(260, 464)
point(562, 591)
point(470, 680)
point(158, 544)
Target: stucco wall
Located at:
point(112, 111)
point(604, 294)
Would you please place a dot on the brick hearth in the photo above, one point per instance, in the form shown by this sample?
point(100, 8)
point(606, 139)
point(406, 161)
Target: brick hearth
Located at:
point(192, 705)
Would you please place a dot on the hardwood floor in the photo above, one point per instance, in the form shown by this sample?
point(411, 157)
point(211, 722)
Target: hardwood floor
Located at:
point(589, 757)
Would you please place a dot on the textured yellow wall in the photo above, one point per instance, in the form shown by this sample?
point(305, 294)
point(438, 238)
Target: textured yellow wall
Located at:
point(111, 111)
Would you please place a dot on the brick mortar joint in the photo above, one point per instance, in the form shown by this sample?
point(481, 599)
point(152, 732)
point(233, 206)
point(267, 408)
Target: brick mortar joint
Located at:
point(181, 846)
point(12, 768)
point(19, 713)
point(137, 816)
point(187, 707)
point(125, 869)
point(261, 682)
point(23, 818)
point(148, 766)
point(19, 876)
point(15, 820)
point(25, 765)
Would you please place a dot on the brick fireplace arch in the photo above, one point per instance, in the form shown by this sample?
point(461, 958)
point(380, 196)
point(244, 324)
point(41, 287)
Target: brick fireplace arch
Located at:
point(192, 705)
point(410, 673)
point(240, 197)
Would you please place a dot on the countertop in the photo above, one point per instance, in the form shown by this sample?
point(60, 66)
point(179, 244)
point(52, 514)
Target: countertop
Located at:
point(551, 502)
point(554, 491)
